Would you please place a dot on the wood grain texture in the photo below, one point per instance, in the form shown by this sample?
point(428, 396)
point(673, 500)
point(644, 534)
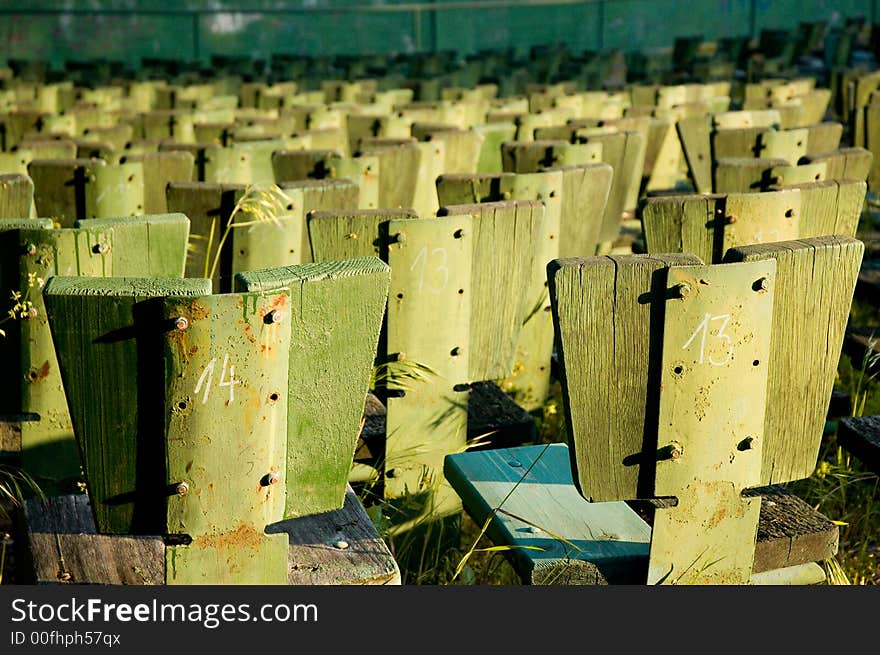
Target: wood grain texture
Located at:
point(340, 547)
point(60, 187)
point(16, 196)
point(315, 555)
point(337, 310)
point(226, 381)
point(585, 192)
point(160, 169)
point(148, 246)
point(338, 234)
point(614, 153)
point(747, 175)
point(830, 207)
point(65, 548)
point(695, 136)
point(398, 167)
point(740, 142)
point(430, 264)
point(605, 542)
point(861, 437)
point(790, 533)
point(494, 134)
point(608, 309)
point(823, 137)
point(316, 195)
point(814, 288)
point(292, 165)
point(505, 238)
point(101, 328)
point(782, 175)
point(205, 204)
point(455, 189)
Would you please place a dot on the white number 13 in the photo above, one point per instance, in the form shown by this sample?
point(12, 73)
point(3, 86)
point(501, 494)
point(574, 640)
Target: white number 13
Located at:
point(703, 332)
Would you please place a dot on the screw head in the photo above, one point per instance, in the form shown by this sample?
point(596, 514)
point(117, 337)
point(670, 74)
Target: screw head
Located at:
point(761, 284)
point(274, 316)
point(181, 323)
point(731, 220)
point(30, 249)
point(101, 248)
point(683, 290)
point(341, 544)
point(274, 477)
point(182, 488)
point(400, 237)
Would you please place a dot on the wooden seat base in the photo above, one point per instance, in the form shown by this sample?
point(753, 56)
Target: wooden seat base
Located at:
point(557, 537)
point(338, 548)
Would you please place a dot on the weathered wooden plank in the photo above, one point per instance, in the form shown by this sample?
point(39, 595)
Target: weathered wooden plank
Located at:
point(494, 134)
point(823, 137)
point(830, 207)
point(161, 169)
point(60, 187)
point(316, 195)
point(65, 548)
point(815, 278)
point(790, 532)
point(339, 547)
point(861, 437)
point(815, 172)
point(16, 196)
point(614, 153)
point(505, 238)
point(291, 165)
point(737, 143)
point(336, 235)
point(709, 447)
point(336, 309)
point(228, 341)
point(604, 542)
point(747, 175)
point(208, 207)
point(469, 189)
point(115, 190)
point(585, 192)
point(398, 167)
point(695, 134)
point(430, 420)
point(149, 246)
point(105, 333)
point(603, 310)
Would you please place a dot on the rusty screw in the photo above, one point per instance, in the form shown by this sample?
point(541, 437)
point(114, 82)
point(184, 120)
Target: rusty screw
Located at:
point(731, 220)
point(101, 248)
point(682, 290)
point(182, 488)
point(181, 323)
point(400, 237)
point(30, 249)
point(274, 477)
point(675, 450)
point(274, 316)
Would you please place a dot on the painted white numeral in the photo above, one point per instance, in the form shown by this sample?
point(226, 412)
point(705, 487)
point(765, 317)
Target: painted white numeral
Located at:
point(703, 332)
point(207, 378)
point(421, 262)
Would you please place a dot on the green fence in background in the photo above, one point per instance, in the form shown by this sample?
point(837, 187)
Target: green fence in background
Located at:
point(129, 30)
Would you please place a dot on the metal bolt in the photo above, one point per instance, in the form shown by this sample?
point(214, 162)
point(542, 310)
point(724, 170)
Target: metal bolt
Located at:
point(341, 544)
point(274, 477)
point(761, 284)
point(275, 316)
point(400, 237)
point(30, 249)
point(101, 248)
point(182, 488)
point(401, 357)
point(181, 323)
point(731, 220)
point(682, 290)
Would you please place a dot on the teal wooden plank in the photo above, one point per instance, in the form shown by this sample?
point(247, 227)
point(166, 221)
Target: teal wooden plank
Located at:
point(534, 483)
